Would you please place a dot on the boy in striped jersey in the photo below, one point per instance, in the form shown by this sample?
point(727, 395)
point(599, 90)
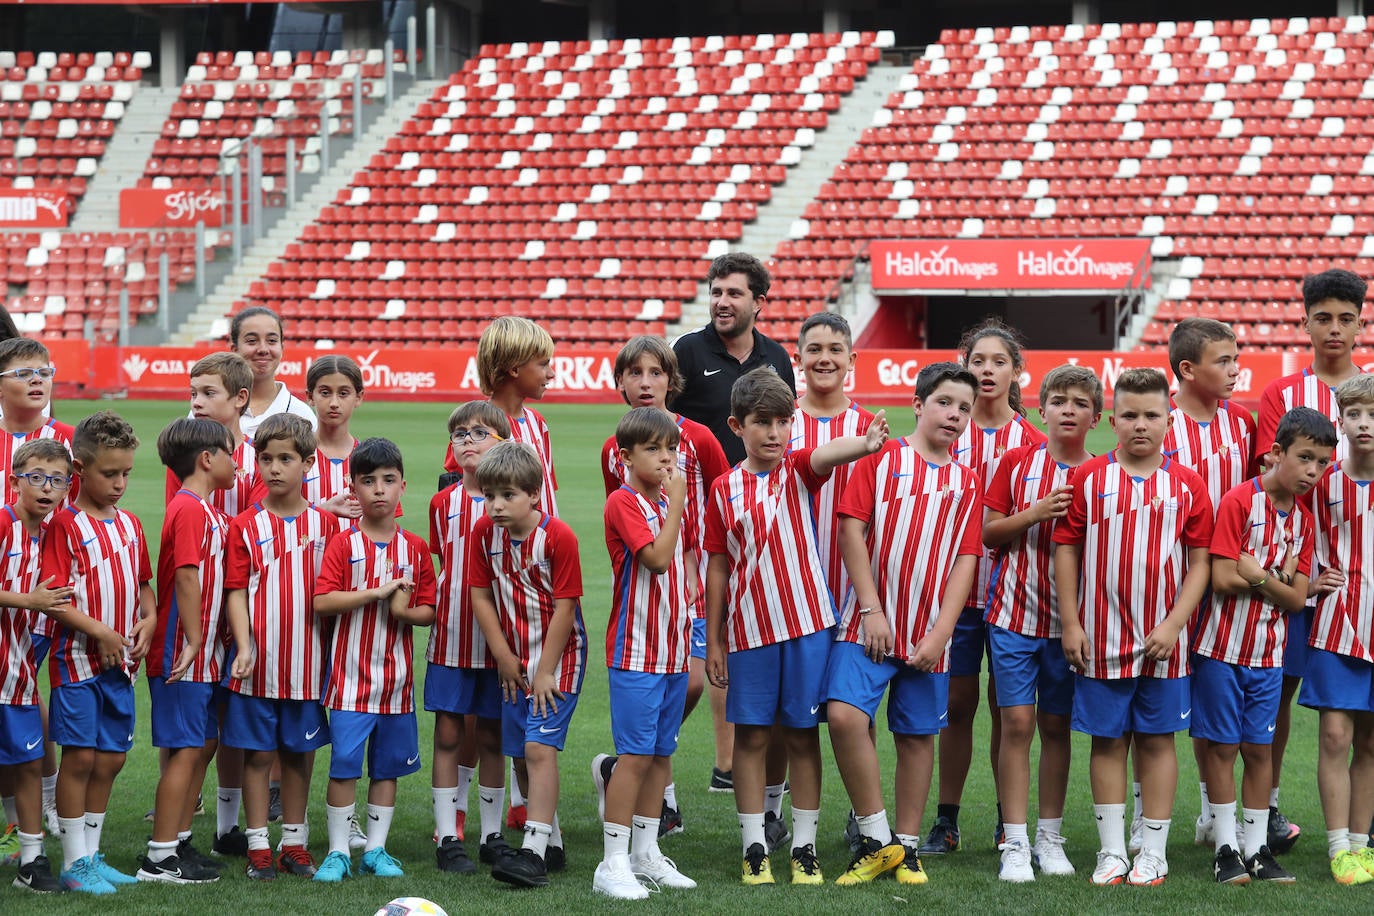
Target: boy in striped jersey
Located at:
point(1130, 568)
point(1028, 492)
point(377, 581)
point(22, 599)
point(98, 549)
point(1339, 681)
point(1261, 559)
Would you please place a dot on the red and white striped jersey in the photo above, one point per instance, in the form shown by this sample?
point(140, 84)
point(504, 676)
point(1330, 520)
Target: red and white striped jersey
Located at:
point(277, 560)
point(327, 478)
point(920, 518)
point(1246, 629)
point(1021, 593)
point(527, 426)
point(10, 442)
point(370, 667)
point(1222, 452)
point(764, 524)
point(193, 535)
point(1344, 510)
point(650, 625)
point(981, 449)
point(526, 579)
point(106, 562)
point(455, 639)
point(247, 489)
point(1135, 534)
point(18, 574)
point(811, 432)
point(1301, 389)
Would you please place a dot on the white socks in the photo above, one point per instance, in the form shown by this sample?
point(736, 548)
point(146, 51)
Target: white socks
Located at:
point(1111, 828)
point(537, 837)
point(95, 824)
point(72, 830)
point(751, 830)
point(337, 822)
point(445, 810)
point(1337, 842)
point(491, 804)
point(644, 838)
point(1224, 825)
point(772, 800)
point(31, 847)
point(615, 840)
point(804, 827)
point(257, 838)
point(227, 802)
point(1139, 810)
point(465, 775)
point(1015, 834)
point(875, 826)
point(1254, 830)
point(379, 825)
point(1155, 837)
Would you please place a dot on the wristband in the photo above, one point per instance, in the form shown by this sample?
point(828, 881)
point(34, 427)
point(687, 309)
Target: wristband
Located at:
point(865, 611)
point(1260, 582)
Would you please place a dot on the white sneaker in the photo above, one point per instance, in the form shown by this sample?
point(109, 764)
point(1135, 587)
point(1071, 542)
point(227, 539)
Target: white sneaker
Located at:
point(356, 838)
point(50, 818)
point(1049, 854)
point(1149, 870)
point(614, 879)
point(662, 871)
point(1204, 831)
point(1016, 863)
point(1137, 836)
point(1111, 869)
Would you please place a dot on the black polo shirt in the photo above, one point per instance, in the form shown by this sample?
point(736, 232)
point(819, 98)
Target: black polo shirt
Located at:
point(709, 372)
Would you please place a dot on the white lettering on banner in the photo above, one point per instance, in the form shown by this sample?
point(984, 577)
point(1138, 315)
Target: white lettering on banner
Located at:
point(18, 209)
point(1111, 371)
point(380, 375)
point(170, 367)
point(893, 374)
point(583, 373)
point(1070, 263)
point(185, 205)
point(470, 379)
point(937, 263)
point(1243, 381)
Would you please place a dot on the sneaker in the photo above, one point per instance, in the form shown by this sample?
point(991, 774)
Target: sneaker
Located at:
point(37, 877)
point(273, 804)
point(452, 857)
point(1346, 869)
point(555, 859)
point(775, 832)
point(109, 872)
point(50, 818)
point(200, 805)
point(1365, 856)
point(1263, 867)
point(1204, 830)
point(872, 860)
point(493, 849)
point(943, 838)
point(853, 836)
point(1148, 870)
point(83, 879)
point(669, 822)
point(296, 860)
point(662, 871)
point(999, 836)
point(334, 868)
point(9, 846)
point(260, 867)
point(602, 765)
point(381, 863)
point(515, 817)
point(756, 869)
point(1048, 854)
point(1016, 863)
point(722, 780)
point(150, 815)
point(460, 823)
point(805, 868)
point(1283, 833)
point(172, 870)
point(1111, 869)
point(233, 843)
point(186, 852)
point(910, 871)
point(616, 880)
point(1228, 868)
point(357, 839)
point(1137, 838)
point(522, 868)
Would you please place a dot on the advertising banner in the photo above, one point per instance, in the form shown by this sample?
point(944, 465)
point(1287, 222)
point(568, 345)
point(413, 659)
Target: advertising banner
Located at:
point(35, 208)
point(1081, 265)
point(170, 208)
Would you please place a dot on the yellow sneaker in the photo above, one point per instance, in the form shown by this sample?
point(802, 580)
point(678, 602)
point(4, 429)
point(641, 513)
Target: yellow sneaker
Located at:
point(9, 846)
point(1365, 856)
point(1346, 868)
point(910, 871)
point(805, 868)
point(871, 859)
point(756, 868)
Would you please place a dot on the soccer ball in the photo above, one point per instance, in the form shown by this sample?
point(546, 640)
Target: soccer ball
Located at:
point(406, 906)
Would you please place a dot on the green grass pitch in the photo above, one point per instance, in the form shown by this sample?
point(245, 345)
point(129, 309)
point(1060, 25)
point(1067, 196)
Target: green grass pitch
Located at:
point(709, 849)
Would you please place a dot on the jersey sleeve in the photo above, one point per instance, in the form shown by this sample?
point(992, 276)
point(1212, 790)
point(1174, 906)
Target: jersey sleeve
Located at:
point(145, 563)
point(56, 553)
point(257, 489)
point(625, 524)
point(801, 465)
point(184, 533)
point(607, 475)
point(236, 560)
point(1231, 525)
point(332, 567)
point(565, 566)
point(714, 541)
point(1073, 527)
point(173, 483)
point(1197, 529)
point(477, 571)
point(998, 495)
point(971, 544)
point(426, 585)
point(1309, 544)
point(548, 448)
point(1270, 412)
point(1248, 422)
point(860, 495)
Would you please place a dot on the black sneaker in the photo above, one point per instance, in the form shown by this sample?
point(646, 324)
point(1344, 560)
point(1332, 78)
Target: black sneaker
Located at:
point(274, 804)
point(722, 780)
point(1263, 867)
point(943, 838)
point(669, 822)
point(775, 832)
point(555, 858)
point(188, 853)
point(37, 877)
point(1227, 867)
point(853, 836)
point(1282, 832)
point(172, 870)
point(452, 857)
point(493, 849)
point(260, 866)
point(522, 868)
point(200, 805)
point(233, 843)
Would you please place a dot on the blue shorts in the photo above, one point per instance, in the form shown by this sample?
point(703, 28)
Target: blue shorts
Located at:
point(968, 643)
point(463, 691)
point(699, 637)
point(520, 726)
point(779, 684)
point(646, 711)
point(1335, 681)
point(21, 734)
point(183, 713)
point(1112, 708)
point(97, 712)
point(263, 724)
point(41, 645)
point(1030, 671)
point(391, 743)
point(1295, 648)
point(1234, 703)
point(918, 703)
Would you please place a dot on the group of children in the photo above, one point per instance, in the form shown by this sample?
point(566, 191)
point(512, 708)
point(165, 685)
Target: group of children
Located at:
point(1187, 579)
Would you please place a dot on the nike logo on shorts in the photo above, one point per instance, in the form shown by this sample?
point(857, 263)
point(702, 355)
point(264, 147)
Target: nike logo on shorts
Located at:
point(37, 741)
point(545, 730)
point(412, 760)
point(310, 735)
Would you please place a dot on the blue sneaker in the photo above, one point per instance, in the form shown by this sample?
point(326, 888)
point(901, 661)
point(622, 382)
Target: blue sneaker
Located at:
point(107, 871)
point(334, 868)
point(84, 879)
point(381, 863)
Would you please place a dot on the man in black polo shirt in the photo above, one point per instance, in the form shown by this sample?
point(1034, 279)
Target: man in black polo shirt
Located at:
point(713, 357)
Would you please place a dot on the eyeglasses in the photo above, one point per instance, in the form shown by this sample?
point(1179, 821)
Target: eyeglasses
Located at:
point(476, 434)
point(37, 480)
point(28, 372)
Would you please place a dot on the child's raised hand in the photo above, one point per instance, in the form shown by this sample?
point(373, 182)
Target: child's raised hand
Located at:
point(1055, 504)
point(878, 432)
point(344, 505)
point(46, 598)
point(674, 483)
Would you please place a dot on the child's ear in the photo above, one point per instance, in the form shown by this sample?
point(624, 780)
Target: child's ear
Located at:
point(735, 426)
point(308, 461)
point(78, 468)
point(204, 458)
point(243, 397)
point(1276, 452)
point(1185, 369)
point(1097, 418)
point(624, 453)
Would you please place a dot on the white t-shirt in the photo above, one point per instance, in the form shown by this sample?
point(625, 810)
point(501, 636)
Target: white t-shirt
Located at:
point(284, 402)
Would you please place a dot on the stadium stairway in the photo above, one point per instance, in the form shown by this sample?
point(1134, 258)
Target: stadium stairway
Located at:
point(208, 321)
point(124, 157)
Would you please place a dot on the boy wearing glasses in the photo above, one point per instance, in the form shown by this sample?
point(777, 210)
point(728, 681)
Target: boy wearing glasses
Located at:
point(461, 687)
